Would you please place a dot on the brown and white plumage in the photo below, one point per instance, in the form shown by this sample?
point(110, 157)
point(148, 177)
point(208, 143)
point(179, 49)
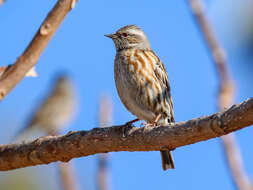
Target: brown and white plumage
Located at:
point(56, 111)
point(142, 81)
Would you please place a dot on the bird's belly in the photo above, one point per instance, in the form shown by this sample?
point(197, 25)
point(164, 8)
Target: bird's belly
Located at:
point(128, 98)
point(130, 94)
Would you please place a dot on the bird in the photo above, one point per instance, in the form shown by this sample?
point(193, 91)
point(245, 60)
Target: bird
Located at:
point(55, 111)
point(142, 82)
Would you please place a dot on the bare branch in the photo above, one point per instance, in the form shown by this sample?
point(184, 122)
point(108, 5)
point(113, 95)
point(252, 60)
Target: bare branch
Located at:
point(233, 156)
point(226, 92)
point(225, 98)
point(32, 53)
point(122, 138)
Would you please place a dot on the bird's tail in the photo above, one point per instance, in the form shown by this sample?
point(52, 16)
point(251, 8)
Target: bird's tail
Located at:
point(167, 160)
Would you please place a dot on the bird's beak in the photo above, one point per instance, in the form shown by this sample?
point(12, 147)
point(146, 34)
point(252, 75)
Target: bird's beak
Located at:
point(112, 36)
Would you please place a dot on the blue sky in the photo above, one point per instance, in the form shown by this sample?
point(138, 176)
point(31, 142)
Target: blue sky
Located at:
point(80, 48)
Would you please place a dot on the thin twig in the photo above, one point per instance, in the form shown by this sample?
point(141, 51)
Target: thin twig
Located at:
point(225, 96)
point(105, 119)
point(234, 158)
point(226, 91)
point(125, 138)
point(32, 53)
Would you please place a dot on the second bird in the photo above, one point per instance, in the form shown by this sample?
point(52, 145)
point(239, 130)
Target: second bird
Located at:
point(142, 81)
point(55, 111)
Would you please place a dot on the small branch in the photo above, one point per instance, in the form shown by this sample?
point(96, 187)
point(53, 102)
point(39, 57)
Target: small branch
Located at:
point(122, 138)
point(225, 98)
point(226, 92)
point(234, 159)
point(32, 53)
point(105, 118)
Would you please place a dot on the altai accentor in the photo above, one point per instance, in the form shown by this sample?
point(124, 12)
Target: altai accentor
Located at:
point(142, 81)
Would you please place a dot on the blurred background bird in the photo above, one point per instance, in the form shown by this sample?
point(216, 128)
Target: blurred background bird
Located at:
point(55, 112)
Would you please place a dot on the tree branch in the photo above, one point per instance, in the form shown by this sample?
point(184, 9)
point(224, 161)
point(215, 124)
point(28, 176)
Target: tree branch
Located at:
point(122, 138)
point(226, 91)
point(32, 53)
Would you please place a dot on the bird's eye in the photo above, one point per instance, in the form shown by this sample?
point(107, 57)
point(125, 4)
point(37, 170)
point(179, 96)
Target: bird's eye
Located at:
point(124, 34)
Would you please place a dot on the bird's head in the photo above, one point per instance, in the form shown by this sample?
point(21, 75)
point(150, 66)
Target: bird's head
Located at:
point(130, 36)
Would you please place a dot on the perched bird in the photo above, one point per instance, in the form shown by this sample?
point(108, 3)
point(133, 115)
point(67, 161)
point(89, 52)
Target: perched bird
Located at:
point(142, 81)
point(56, 111)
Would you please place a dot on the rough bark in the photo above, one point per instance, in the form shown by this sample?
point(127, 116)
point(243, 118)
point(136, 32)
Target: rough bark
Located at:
point(123, 138)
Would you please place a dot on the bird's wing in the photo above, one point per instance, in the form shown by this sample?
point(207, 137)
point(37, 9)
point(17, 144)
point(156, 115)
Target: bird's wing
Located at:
point(161, 75)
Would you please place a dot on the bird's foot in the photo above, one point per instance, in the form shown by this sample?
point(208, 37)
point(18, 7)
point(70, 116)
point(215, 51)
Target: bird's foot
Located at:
point(128, 124)
point(154, 123)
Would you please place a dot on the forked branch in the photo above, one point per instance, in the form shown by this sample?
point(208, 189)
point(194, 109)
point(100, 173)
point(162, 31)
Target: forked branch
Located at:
point(31, 55)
